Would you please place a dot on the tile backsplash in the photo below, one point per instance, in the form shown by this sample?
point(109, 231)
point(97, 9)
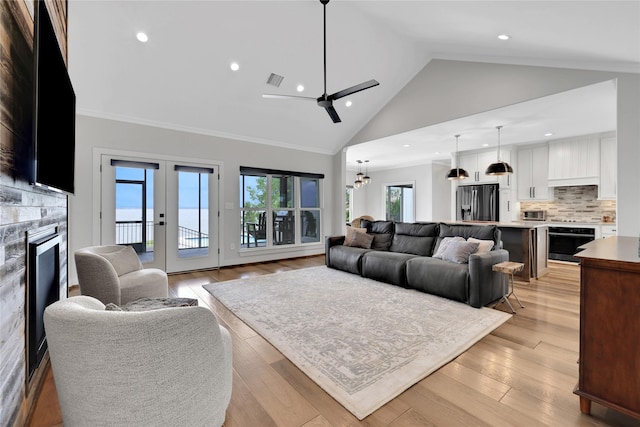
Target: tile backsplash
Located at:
point(579, 204)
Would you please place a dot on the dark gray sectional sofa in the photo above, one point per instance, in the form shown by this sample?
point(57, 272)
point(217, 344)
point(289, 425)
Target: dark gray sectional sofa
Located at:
point(402, 254)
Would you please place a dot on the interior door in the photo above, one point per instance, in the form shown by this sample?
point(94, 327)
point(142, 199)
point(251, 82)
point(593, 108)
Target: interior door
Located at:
point(132, 207)
point(192, 213)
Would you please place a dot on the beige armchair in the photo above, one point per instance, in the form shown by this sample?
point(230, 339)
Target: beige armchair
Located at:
point(165, 367)
point(113, 273)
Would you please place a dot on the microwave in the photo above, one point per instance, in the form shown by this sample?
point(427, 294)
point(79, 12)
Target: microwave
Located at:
point(536, 215)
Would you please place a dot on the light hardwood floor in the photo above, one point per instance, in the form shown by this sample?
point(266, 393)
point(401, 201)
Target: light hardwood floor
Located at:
point(522, 374)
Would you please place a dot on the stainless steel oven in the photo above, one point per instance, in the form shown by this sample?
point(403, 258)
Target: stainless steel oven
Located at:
point(564, 241)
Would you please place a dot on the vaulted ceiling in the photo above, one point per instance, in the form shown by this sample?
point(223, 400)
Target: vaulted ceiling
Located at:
point(181, 77)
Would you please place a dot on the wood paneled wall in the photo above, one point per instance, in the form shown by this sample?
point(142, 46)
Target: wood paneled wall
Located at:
point(22, 206)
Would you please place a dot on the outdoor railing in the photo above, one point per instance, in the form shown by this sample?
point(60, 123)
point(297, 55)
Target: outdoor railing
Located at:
point(133, 233)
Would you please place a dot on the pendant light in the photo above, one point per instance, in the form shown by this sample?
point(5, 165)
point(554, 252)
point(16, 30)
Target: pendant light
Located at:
point(457, 173)
point(366, 179)
point(500, 167)
point(358, 182)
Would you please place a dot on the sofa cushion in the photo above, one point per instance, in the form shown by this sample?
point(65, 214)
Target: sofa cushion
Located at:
point(444, 244)
point(350, 232)
point(361, 240)
point(484, 246)
point(346, 258)
point(438, 277)
point(417, 238)
point(382, 232)
point(386, 267)
point(482, 232)
point(459, 251)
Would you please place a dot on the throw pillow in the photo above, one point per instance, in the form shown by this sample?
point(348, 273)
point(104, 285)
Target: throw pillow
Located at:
point(444, 244)
point(484, 245)
point(459, 251)
point(350, 232)
point(124, 260)
point(113, 307)
point(361, 240)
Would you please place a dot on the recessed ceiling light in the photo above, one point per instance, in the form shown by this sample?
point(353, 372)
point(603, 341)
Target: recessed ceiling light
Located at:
point(548, 134)
point(407, 145)
point(504, 37)
point(234, 66)
point(437, 152)
point(348, 103)
point(485, 145)
point(300, 88)
point(142, 37)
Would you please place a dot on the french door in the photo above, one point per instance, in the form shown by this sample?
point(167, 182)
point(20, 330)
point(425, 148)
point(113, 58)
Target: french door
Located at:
point(167, 210)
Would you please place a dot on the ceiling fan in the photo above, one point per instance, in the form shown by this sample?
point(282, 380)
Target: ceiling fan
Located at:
point(326, 101)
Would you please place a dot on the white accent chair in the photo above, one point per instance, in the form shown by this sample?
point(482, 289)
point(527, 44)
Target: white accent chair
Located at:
point(164, 367)
point(114, 273)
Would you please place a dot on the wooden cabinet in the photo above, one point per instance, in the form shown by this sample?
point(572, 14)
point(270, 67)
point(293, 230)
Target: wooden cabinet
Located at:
point(574, 161)
point(609, 363)
point(608, 168)
point(532, 173)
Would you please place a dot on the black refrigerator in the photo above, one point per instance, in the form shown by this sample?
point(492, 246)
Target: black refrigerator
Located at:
point(477, 203)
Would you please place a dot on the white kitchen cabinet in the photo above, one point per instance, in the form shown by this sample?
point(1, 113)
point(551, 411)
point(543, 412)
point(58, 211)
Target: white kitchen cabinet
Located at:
point(608, 168)
point(476, 163)
point(532, 173)
point(508, 210)
point(608, 231)
point(574, 161)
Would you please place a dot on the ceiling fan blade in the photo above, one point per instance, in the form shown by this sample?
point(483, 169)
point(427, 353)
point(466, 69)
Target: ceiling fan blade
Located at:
point(333, 114)
point(353, 89)
point(275, 96)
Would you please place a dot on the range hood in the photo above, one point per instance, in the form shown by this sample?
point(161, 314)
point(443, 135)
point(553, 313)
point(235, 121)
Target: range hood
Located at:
point(573, 182)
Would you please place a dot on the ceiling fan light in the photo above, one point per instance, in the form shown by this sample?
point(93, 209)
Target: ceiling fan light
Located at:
point(499, 168)
point(457, 174)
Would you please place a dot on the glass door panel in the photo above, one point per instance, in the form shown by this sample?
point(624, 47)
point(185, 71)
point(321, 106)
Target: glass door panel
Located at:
point(132, 206)
point(193, 201)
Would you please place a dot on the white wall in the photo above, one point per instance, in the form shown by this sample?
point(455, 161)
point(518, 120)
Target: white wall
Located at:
point(446, 90)
point(94, 134)
point(432, 191)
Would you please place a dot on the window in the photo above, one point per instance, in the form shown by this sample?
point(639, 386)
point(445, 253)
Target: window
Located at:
point(399, 202)
point(279, 207)
point(347, 205)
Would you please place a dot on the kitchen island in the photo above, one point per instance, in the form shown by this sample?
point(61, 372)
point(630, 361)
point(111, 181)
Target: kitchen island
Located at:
point(609, 368)
point(526, 242)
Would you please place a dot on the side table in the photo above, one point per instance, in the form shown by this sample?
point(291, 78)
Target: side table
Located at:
point(510, 268)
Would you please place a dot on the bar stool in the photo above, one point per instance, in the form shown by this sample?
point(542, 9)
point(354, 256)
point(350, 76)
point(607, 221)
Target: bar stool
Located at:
point(510, 268)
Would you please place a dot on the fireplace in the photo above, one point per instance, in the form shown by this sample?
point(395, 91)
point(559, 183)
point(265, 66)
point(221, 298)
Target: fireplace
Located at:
point(43, 288)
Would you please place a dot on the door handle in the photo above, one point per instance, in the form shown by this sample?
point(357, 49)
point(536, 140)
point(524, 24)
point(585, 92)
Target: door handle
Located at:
point(159, 223)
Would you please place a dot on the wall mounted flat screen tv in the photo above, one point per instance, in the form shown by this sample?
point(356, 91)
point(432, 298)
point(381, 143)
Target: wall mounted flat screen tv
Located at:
point(54, 110)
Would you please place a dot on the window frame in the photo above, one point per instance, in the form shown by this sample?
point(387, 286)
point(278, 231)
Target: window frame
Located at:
point(296, 210)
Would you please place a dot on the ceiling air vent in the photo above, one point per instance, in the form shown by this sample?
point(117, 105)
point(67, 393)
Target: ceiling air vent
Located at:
point(274, 80)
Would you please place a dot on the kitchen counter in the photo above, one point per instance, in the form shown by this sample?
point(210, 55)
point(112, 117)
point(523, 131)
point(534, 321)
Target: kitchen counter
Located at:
point(620, 248)
point(534, 224)
point(526, 242)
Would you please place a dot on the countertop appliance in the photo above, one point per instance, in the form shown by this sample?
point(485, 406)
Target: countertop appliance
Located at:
point(477, 202)
point(565, 241)
point(534, 215)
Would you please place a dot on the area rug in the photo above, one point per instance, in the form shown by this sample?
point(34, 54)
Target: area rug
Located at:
point(364, 342)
